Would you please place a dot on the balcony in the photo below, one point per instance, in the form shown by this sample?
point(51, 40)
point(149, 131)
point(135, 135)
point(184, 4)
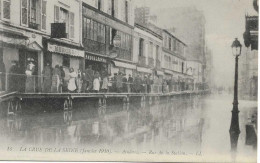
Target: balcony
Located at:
point(34, 25)
point(141, 61)
point(150, 62)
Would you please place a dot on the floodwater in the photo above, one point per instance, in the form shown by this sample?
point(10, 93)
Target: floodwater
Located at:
point(190, 128)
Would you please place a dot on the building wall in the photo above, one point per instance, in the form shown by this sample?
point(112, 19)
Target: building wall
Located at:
point(148, 37)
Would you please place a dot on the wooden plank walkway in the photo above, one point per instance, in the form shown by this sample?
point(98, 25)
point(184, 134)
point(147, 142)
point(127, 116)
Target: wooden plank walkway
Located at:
point(10, 95)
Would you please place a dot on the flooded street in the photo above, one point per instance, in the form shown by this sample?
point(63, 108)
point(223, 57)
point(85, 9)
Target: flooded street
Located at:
point(197, 126)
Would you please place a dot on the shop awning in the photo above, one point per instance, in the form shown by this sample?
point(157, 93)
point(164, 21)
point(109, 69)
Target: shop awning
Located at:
point(146, 70)
point(125, 65)
point(168, 72)
point(159, 72)
point(13, 39)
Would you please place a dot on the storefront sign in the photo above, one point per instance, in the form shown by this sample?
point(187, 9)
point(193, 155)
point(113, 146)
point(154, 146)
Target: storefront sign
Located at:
point(142, 69)
point(159, 73)
point(14, 41)
point(65, 50)
point(95, 58)
point(125, 65)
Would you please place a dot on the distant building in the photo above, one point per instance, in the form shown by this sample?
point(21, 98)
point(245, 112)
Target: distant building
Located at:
point(142, 15)
point(189, 25)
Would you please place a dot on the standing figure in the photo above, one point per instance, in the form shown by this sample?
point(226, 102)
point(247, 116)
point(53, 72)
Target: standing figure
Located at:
point(47, 74)
point(2, 76)
point(119, 84)
point(72, 81)
point(104, 87)
point(138, 84)
point(130, 83)
point(149, 83)
point(79, 81)
point(96, 82)
point(62, 80)
point(124, 80)
point(88, 79)
point(12, 77)
point(30, 78)
point(56, 79)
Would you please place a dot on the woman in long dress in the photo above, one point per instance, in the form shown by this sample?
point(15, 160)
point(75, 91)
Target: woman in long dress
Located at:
point(72, 81)
point(56, 79)
point(96, 82)
point(79, 81)
point(30, 78)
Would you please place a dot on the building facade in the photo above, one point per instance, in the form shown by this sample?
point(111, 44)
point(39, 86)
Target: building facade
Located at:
point(26, 29)
point(107, 30)
point(147, 51)
point(174, 61)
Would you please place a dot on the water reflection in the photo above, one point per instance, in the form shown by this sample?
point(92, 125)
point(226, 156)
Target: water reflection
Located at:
point(175, 124)
point(165, 124)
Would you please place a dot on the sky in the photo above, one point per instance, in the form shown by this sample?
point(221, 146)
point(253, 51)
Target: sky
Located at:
point(225, 21)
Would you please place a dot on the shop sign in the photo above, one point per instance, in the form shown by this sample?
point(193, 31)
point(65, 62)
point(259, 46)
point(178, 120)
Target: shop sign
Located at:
point(125, 65)
point(65, 50)
point(95, 58)
point(168, 72)
point(15, 41)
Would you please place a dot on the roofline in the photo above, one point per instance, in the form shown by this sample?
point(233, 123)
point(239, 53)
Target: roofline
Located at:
point(174, 36)
point(148, 30)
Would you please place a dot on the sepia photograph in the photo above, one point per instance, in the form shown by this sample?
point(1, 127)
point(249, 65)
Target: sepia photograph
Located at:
point(129, 80)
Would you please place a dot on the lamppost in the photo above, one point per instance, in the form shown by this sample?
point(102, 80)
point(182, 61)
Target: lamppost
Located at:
point(234, 130)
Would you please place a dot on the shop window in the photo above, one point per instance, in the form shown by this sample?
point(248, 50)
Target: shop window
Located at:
point(66, 61)
point(5, 10)
point(62, 15)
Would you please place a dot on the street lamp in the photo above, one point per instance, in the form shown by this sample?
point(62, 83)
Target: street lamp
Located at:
point(234, 130)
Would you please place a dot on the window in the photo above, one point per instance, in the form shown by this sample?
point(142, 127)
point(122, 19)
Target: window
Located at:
point(5, 10)
point(66, 61)
point(170, 43)
point(157, 52)
point(93, 30)
point(150, 50)
point(174, 45)
point(33, 14)
point(62, 15)
point(141, 47)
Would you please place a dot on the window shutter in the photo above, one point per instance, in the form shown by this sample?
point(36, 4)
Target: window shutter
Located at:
point(38, 13)
point(44, 4)
point(0, 9)
point(71, 30)
point(24, 14)
point(56, 14)
point(6, 9)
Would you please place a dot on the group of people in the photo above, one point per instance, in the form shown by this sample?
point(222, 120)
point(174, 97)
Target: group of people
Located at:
point(56, 80)
point(78, 81)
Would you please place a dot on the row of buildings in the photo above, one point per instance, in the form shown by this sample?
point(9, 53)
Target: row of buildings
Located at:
point(101, 33)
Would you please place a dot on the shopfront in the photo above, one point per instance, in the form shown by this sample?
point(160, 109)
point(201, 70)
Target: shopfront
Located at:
point(63, 54)
point(19, 48)
point(98, 63)
point(142, 71)
point(123, 67)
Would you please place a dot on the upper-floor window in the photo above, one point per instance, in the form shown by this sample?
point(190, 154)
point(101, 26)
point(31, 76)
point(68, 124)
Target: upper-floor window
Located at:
point(62, 15)
point(170, 43)
point(5, 10)
point(150, 52)
point(93, 30)
point(157, 52)
point(141, 47)
point(33, 14)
